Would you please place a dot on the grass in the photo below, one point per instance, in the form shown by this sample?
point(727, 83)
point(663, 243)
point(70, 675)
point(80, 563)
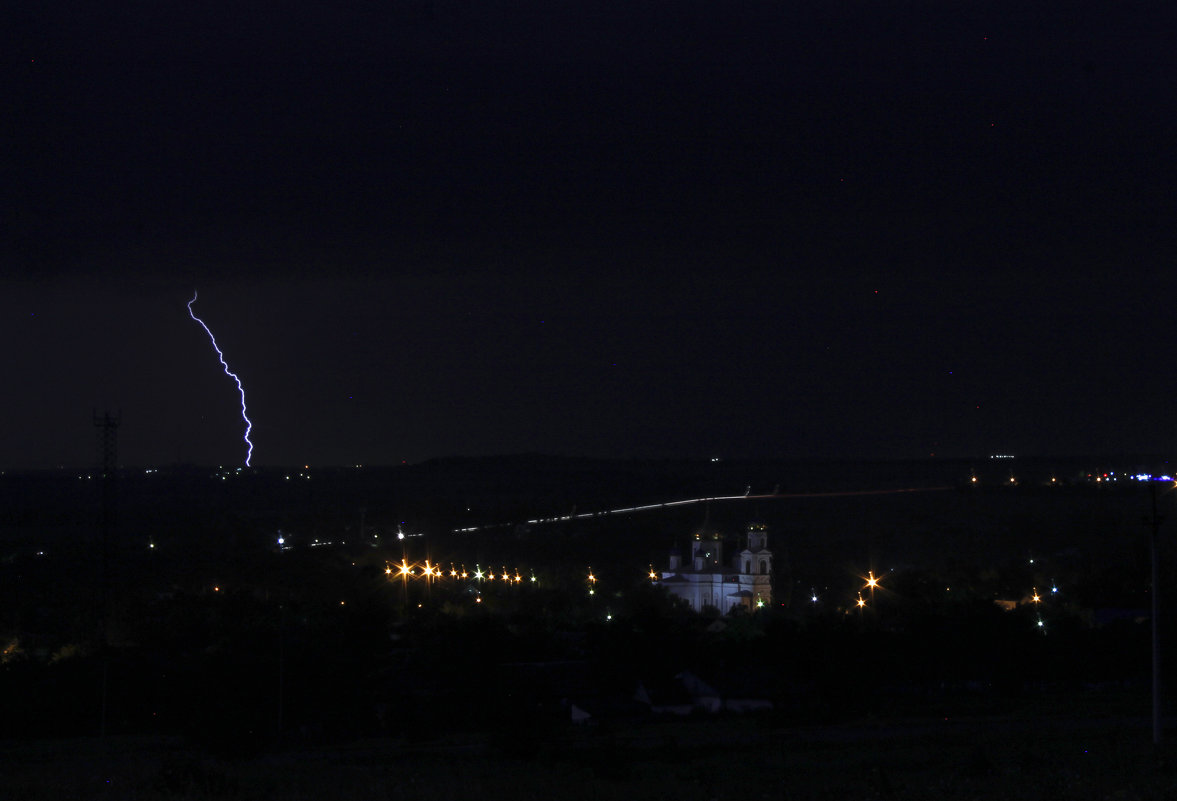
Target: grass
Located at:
point(725, 759)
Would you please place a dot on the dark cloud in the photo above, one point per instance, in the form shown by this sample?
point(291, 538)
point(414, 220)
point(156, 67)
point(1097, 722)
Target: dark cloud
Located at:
point(640, 228)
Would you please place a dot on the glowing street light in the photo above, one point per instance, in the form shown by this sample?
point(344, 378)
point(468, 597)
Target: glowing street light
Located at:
point(871, 583)
point(404, 570)
point(653, 575)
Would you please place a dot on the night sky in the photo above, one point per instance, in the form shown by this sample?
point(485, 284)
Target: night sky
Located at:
point(624, 229)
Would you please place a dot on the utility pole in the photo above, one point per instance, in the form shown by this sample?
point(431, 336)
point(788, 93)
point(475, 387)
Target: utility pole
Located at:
point(108, 425)
point(1156, 610)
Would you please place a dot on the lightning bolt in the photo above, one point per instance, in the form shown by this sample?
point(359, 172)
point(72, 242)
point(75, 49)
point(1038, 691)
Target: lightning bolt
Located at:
point(231, 374)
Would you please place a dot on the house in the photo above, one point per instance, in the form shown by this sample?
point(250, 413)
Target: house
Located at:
point(688, 693)
point(704, 579)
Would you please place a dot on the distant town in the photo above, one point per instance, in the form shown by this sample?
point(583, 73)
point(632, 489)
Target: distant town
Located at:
point(524, 599)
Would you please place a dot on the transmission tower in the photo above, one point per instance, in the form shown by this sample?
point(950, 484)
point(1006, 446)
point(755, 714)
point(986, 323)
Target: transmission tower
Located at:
point(108, 426)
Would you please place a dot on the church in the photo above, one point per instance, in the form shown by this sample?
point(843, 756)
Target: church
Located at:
point(705, 580)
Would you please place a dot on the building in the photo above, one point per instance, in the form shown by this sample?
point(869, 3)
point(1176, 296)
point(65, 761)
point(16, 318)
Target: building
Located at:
point(703, 579)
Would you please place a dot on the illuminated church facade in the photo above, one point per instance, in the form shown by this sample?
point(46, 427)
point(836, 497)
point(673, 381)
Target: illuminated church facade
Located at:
point(703, 579)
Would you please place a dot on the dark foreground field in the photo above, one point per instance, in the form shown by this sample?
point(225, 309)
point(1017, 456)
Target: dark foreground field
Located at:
point(1035, 755)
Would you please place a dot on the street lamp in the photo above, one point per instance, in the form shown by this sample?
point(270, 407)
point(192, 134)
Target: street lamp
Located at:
point(405, 571)
point(871, 582)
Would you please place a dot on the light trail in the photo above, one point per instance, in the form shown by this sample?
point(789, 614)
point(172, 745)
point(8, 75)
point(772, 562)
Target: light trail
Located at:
point(231, 374)
point(625, 510)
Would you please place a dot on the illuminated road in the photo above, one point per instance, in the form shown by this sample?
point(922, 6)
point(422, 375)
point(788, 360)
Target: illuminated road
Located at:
point(626, 510)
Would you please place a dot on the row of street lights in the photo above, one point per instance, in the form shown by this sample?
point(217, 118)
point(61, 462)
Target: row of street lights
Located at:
point(433, 572)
